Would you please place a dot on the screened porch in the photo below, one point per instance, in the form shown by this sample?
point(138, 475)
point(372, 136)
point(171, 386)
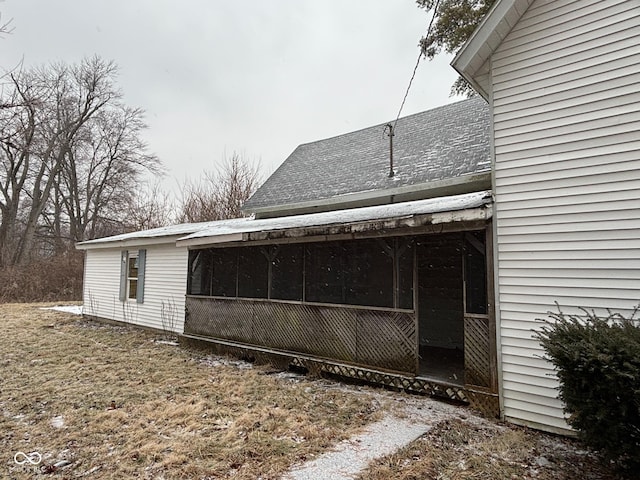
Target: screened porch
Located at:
point(413, 304)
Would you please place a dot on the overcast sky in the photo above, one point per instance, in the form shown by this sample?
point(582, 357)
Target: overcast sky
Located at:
point(256, 77)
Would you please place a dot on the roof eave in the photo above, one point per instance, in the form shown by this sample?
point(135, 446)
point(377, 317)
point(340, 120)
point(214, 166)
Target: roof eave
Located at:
point(383, 220)
point(131, 242)
point(484, 41)
point(452, 186)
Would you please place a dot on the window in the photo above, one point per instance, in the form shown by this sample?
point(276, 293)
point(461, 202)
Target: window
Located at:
point(132, 271)
point(132, 275)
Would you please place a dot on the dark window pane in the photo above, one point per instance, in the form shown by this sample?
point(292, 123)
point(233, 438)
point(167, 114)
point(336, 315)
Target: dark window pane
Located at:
point(475, 273)
point(286, 273)
point(133, 287)
point(324, 279)
point(253, 273)
point(369, 273)
point(225, 268)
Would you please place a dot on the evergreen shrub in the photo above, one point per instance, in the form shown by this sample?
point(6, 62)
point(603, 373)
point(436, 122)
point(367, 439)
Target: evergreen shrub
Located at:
point(598, 364)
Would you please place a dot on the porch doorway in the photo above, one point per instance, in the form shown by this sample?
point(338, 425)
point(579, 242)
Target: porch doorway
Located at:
point(452, 294)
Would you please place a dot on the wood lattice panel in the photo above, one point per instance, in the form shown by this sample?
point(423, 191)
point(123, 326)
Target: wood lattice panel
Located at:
point(377, 338)
point(385, 337)
point(477, 360)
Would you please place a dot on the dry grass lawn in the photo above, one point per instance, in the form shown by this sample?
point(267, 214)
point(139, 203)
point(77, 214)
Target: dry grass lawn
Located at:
point(117, 404)
point(107, 402)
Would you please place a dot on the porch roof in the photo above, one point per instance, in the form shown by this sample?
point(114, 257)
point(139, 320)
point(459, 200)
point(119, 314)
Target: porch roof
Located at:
point(466, 207)
point(160, 235)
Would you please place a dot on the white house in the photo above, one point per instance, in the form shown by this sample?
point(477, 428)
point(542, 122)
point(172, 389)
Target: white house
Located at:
point(562, 79)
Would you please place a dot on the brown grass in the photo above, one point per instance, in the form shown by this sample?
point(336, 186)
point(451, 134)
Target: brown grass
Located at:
point(118, 405)
point(465, 449)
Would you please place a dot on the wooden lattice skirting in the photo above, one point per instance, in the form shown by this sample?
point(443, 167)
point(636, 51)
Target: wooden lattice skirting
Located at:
point(484, 402)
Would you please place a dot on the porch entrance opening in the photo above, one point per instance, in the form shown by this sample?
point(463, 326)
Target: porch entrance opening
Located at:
point(451, 276)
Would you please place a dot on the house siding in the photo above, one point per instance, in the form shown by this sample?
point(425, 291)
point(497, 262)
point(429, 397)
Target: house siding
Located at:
point(164, 291)
point(566, 116)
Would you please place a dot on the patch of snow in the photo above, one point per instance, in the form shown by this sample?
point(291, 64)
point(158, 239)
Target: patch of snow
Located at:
point(542, 462)
point(215, 361)
point(73, 309)
point(57, 422)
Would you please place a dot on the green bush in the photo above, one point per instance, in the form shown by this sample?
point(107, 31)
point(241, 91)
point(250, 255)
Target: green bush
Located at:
point(598, 364)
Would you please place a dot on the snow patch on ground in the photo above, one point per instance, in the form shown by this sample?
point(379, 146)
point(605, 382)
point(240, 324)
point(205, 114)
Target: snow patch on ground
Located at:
point(73, 309)
point(57, 422)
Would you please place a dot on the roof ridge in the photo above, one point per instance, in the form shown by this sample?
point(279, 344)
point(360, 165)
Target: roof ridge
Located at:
point(435, 109)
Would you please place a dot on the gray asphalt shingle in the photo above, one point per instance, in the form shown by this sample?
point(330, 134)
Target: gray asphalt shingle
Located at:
point(439, 144)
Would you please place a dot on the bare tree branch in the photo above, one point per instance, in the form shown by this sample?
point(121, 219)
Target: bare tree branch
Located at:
point(220, 194)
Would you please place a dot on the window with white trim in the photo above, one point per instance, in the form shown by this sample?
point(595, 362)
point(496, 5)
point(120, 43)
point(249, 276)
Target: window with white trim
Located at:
point(132, 275)
point(132, 267)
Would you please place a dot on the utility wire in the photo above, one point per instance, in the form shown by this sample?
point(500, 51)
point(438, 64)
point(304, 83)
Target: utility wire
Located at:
point(413, 75)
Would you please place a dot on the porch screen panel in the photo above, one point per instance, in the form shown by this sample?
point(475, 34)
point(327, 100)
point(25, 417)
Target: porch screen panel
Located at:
point(287, 273)
point(405, 274)
point(324, 273)
point(475, 273)
point(253, 272)
point(225, 271)
point(369, 274)
point(199, 280)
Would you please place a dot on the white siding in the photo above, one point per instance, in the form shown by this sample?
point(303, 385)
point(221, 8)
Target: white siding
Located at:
point(164, 290)
point(566, 107)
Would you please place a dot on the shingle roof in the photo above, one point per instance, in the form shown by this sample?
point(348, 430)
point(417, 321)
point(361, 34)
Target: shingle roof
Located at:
point(440, 144)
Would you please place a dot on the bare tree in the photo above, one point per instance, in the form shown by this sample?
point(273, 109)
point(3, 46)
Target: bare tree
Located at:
point(99, 180)
point(71, 155)
point(220, 194)
point(152, 207)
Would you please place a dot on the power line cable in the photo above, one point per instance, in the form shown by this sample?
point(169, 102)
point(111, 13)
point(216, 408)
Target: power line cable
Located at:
point(415, 69)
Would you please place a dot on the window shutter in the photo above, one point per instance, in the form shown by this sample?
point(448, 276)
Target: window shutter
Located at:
point(124, 258)
point(142, 260)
